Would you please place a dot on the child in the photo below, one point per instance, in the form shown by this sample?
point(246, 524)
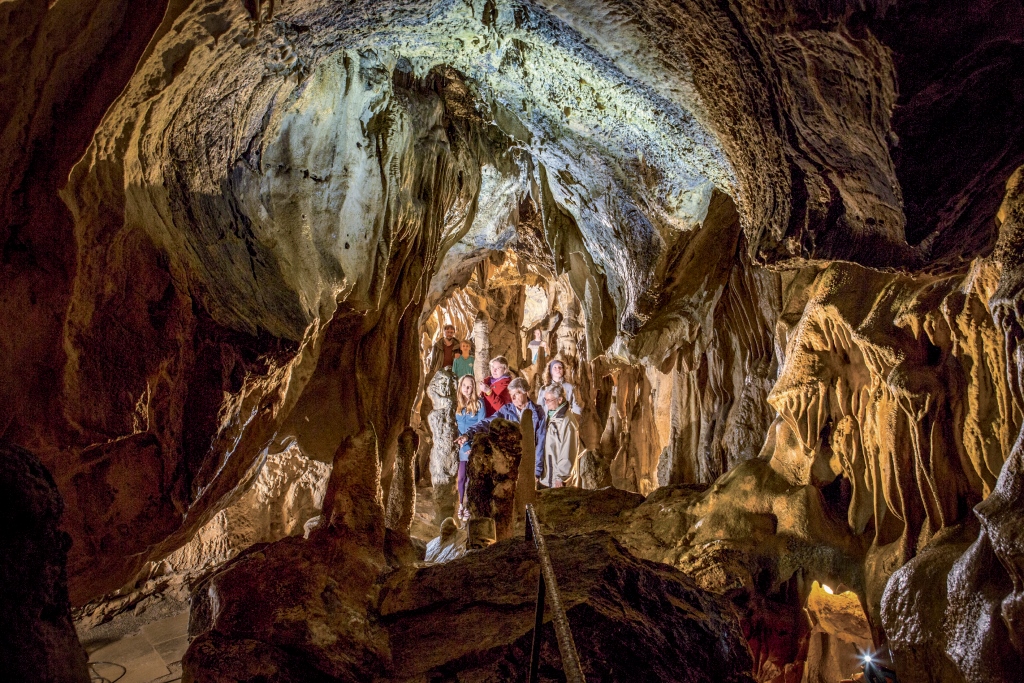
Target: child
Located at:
point(463, 364)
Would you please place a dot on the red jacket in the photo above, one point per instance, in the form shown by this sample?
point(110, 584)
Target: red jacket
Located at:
point(499, 395)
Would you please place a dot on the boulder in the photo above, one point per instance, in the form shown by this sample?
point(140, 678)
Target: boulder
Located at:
point(632, 620)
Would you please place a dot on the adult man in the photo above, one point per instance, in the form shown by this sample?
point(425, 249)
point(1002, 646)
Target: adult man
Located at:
point(442, 355)
point(561, 439)
point(518, 389)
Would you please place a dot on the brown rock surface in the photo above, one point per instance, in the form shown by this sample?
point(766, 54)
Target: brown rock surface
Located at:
point(492, 475)
point(968, 619)
point(631, 620)
point(37, 639)
point(752, 537)
point(300, 605)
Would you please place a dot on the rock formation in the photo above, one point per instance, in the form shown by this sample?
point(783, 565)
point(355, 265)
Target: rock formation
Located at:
point(493, 474)
point(284, 500)
point(37, 640)
point(402, 494)
point(526, 478)
point(751, 537)
point(401, 503)
point(632, 620)
point(444, 453)
point(840, 634)
point(313, 594)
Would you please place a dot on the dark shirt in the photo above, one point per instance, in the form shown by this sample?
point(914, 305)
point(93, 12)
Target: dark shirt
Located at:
point(449, 351)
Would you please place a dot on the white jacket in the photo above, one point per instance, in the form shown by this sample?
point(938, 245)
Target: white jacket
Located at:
point(561, 446)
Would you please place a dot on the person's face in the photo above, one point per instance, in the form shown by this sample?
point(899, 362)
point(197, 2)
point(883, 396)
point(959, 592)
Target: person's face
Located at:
point(519, 398)
point(467, 387)
point(464, 346)
point(557, 372)
point(449, 332)
point(497, 370)
point(537, 334)
point(551, 401)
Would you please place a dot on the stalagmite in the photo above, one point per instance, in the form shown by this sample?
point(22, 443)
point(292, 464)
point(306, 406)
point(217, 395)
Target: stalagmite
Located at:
point(526, 483)
point(444, 454)
point(493, 471)
point(482, 343)
point(588, 473)
point(402, 494)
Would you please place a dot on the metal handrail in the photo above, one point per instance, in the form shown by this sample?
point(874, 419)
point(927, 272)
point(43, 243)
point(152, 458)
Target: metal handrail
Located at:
point(547, 583)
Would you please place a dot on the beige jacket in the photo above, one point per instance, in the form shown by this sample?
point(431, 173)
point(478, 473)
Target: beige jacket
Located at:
point(561, 446)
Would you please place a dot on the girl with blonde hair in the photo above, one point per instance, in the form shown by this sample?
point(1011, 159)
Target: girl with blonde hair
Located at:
point(470, 411)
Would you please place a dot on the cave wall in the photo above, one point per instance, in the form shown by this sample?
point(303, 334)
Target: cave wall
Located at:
point(970, 577)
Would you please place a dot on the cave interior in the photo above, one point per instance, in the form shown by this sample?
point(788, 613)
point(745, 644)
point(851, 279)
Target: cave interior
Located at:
point(778, 248)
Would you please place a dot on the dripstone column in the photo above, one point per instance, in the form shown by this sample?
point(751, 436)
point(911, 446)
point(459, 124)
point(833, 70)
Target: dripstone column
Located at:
point(482, 342)
point(493, 471)
point(444, 455)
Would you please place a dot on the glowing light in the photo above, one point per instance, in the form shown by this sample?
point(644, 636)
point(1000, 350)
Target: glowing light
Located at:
point(867, 657)
point(827, 589)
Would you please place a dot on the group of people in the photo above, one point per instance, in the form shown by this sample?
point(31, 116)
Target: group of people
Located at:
point(555, 426)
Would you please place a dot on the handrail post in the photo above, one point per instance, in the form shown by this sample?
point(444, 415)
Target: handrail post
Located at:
point(548, 584)
point(538, 623)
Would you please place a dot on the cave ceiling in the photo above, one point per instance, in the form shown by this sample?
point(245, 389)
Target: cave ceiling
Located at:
point(286, 130)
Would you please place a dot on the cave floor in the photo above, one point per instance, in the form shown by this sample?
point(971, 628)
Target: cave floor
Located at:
point(146, 646)
point(139, 648)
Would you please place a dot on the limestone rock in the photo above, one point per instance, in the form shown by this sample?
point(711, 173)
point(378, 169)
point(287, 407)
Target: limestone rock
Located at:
point(223, 223)
point(300, 605)
point(914, 609)
point(287, 493)
point(751, 537)
point(631, 620)
point(284, 500)
point(526, 478)
point(492, 475)
point(402, 494)
point(840, 634)
point(38, 642)
point(444, 453)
